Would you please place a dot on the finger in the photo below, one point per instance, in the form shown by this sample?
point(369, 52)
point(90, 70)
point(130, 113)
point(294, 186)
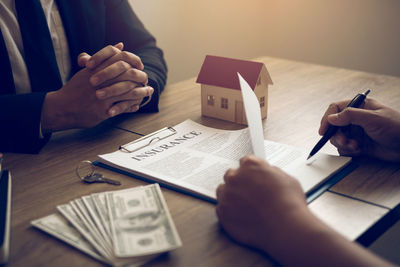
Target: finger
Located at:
point(332, 109)
point(109, 73)
point(353, 145)
point(340, 106)
point(339, 140)
point(123, 107)
point(250, 160)
point(120, 46)
point(133, 75)
point(371, 104)
point(356, 116)
point(229, 175)
point(132, 59)
point(116, 89)
point(103, 55)
point(83, 58)
point(125, 56)
point(137, 94)
point(133, 108)
point(349, 153)
point(345, 144)
point(337, 107)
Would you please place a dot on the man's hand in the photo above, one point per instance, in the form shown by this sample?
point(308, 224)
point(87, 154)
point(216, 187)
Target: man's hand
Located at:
point(118, 75)
point(107, 87)
point(256, 201)
point(373, 129)
point(75, 105)
point(263, 207)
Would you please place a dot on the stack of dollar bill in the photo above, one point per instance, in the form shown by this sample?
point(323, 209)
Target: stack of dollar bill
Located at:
point(123, 228)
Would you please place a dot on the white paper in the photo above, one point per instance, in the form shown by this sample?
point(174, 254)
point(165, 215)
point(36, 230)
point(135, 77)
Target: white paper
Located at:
point(253, 116)
point(196, 158)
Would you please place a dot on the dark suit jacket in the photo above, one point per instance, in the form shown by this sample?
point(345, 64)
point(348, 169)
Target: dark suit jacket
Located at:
point(89, 25)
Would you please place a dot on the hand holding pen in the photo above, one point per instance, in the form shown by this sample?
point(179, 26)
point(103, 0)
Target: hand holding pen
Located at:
point(332, 129)
point(373, 130)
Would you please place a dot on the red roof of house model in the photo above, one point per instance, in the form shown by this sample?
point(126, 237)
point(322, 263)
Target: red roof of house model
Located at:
point(222, 71)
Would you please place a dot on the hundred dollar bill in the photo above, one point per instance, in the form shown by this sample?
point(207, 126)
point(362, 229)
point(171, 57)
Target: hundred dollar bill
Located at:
point(69, 213)
point(82, 212)
point(140, 222)
point(57, 226)
point(99, 200)
point(95, 215)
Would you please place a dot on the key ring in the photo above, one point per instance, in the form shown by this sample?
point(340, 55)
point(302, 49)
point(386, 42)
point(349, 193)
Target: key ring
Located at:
point(82, 167)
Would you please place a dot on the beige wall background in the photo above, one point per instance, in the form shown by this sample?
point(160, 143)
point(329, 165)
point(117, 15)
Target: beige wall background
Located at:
point(355, 34)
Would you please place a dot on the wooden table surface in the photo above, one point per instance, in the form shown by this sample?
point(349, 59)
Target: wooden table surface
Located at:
point(297, 100)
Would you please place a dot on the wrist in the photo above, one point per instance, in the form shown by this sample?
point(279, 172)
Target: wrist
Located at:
point(54, 116)
point(292, 233)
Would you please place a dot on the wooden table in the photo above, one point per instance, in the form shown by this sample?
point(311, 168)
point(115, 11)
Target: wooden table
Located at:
point(297, 100)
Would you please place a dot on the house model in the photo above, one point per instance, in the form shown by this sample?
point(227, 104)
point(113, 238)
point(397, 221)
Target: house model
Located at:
point(220, 88)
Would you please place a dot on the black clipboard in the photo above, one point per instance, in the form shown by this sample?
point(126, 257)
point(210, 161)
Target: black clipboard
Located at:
point(147, 140)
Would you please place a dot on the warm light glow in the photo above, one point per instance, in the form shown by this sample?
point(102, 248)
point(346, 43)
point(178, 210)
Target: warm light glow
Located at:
point(354, 34)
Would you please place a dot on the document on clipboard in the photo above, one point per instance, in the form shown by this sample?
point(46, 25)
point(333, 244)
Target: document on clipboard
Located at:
point(148, 140)
point(193, 158)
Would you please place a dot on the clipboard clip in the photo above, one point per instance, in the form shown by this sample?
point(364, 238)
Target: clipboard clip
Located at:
point(148, 140)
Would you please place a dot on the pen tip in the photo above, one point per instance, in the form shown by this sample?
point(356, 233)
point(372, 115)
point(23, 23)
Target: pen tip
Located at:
point(309, 156)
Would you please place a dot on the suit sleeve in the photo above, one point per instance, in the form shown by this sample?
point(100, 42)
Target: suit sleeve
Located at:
point(19, 123)
point(122, 24)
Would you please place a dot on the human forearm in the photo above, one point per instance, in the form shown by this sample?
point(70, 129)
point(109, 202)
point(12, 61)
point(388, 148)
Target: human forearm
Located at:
point(54, 116)
point(261, 206)
point(306, 241)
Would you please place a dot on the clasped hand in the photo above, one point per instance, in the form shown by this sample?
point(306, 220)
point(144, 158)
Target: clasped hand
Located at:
point(111, 82)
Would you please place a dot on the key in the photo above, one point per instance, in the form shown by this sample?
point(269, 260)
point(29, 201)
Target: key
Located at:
point(98, 178)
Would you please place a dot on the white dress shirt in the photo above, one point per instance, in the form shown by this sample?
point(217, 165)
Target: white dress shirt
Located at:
point(13, 41)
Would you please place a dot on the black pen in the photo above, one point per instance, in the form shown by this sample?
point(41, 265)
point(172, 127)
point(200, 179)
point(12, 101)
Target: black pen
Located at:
point(355, 103)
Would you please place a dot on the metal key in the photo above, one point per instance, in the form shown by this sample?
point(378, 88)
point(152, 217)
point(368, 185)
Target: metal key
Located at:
point(98, 178)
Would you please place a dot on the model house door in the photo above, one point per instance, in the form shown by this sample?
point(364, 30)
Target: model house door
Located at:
point(240, 116)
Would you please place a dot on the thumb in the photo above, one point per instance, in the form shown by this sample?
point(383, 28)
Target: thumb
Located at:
point(120, 46)
point(349, 116)
point(82, 59)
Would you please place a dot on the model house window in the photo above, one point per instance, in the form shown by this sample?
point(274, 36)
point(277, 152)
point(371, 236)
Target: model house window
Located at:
point(210, 100)
point(259, 80)
point(262, 101)
point(224, 103)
